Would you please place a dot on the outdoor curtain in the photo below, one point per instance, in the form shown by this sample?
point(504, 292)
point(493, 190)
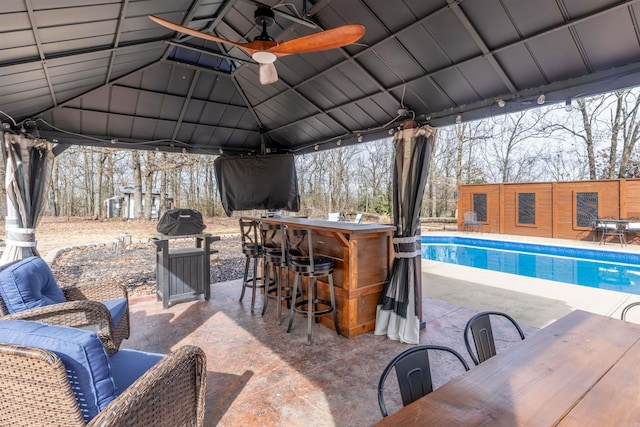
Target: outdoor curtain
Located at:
point(398, 314)
point(28, 166)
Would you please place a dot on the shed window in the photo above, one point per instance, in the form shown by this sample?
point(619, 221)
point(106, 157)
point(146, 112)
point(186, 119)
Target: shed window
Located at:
point(527, 208)
point(480, 206)
point(586, 208)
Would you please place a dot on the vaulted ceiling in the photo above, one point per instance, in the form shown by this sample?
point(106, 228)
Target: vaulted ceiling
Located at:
point(100, 72)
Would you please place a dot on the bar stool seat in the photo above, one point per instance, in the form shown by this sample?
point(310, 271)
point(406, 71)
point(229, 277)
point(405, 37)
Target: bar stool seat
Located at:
point(252, 250)
point(274, 257)
point(303, 263)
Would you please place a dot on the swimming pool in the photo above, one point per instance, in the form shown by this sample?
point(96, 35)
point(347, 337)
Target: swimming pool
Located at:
point(617, 271)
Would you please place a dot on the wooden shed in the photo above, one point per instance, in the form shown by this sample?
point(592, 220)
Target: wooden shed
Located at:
point(563, 210)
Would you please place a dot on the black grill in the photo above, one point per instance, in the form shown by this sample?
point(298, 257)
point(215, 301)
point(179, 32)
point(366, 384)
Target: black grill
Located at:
point(178, 222)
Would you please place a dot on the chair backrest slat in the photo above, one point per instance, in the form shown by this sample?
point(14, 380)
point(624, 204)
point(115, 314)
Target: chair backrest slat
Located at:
point(413, 372)
point(479, 328)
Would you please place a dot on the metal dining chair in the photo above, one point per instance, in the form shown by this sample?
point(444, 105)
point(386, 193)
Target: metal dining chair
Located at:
point(413, 372)
point(479, 328)
point(470, 221)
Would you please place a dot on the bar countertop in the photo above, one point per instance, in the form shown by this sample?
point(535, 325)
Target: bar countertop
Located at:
point(342, 226)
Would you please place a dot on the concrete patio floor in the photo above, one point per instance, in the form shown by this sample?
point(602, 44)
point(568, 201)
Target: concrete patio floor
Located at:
point(258, 374)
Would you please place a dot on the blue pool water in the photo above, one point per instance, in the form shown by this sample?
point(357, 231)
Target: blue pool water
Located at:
point(618, 271)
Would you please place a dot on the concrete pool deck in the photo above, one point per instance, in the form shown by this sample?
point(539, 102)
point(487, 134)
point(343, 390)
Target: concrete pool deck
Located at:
point(534, 302)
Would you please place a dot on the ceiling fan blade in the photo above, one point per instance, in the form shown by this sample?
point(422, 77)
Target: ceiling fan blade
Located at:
point(268, 74)
point(328, 39)
point(247, 47)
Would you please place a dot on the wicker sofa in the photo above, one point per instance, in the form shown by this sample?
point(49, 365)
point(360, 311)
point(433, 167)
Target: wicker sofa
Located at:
point(61, 376)
point(28, 291)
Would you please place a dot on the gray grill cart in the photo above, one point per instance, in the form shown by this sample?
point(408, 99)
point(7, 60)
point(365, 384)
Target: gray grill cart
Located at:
point(183, 274)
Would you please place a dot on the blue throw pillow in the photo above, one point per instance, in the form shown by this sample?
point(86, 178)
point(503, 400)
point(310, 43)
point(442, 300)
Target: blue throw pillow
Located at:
point(117, 308)
point(82, 354)
point(129, 365)
point(28, 284)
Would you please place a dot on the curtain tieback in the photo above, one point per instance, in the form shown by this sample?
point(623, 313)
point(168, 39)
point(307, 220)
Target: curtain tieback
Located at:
point(407, 247)
point(22, 237)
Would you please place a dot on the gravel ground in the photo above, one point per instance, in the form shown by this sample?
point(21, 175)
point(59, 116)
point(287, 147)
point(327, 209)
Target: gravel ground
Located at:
point(135, 268)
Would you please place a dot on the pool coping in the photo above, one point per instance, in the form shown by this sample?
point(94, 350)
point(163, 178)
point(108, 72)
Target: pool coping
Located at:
point(537, 302)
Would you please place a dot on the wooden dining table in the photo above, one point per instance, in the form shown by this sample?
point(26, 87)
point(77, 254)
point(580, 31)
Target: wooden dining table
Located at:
point(581, 370)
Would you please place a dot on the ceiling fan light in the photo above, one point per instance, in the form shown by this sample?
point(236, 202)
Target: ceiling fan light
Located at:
point(264, 57)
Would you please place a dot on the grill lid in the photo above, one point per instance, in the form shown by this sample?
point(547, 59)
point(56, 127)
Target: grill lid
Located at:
point(177, 222)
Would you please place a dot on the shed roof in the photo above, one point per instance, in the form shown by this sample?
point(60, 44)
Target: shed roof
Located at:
point(100, 72)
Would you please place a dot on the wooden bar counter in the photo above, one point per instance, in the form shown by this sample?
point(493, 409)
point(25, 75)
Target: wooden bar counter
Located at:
point(362, 254)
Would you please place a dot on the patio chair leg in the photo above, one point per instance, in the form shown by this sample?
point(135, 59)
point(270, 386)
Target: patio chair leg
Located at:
point(311, 298)
point(244, 280)
point(293, 305)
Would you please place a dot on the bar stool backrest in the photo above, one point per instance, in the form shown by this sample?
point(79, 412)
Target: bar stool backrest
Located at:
point(299, 245)
point(272, 239)
point(249, 232)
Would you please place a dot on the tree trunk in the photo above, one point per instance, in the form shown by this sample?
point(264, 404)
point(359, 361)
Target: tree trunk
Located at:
point(88, 179)
point(615, 131)
point(137, 184)
point(163, 186)
point(98, 186)
point(588, 139)
point(149, 171)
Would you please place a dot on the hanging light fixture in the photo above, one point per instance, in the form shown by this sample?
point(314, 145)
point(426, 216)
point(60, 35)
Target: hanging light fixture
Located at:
point(567, 105)
point(501, 103)
point(458, 119)
point(541, 99)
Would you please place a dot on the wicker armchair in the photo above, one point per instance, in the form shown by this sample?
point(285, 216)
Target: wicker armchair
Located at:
point(36, 391)
point(84, 307)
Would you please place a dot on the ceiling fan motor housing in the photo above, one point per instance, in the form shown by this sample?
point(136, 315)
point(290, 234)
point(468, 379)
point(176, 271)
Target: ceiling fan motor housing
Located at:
point(264, 16)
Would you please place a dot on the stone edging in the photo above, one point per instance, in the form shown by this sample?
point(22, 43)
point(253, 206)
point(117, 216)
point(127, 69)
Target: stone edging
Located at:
point(53, 254)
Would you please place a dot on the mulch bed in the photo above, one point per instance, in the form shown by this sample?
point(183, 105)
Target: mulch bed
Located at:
point(135, 268)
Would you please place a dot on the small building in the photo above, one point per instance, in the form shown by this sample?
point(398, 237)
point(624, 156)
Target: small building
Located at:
point(113, 205)
point(563, 210)
point(123, 205)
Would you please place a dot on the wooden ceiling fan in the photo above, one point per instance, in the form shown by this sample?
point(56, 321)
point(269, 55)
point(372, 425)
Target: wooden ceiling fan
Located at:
point(265, 50)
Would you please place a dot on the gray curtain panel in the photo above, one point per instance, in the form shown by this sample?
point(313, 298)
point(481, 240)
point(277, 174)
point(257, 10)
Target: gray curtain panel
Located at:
point(398, 314)
point(28, 166)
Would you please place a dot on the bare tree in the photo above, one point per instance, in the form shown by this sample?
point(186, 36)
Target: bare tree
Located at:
point(513, 151)
point(374, 173)
point(584, 126)
point(137, 183)
point(468, 137)
point(630, 129)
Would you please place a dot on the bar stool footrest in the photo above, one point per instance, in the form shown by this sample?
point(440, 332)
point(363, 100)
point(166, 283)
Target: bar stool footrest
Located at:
point(314, 312)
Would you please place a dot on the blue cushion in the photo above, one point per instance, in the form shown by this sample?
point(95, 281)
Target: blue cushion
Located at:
point(129, 365)
point(117, 308)
point(82, 353)
point(28, 284)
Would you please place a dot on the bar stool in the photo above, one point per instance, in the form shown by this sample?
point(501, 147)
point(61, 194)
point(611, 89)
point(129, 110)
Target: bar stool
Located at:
point(303, 263)
point(274, 257)
point(253, 252)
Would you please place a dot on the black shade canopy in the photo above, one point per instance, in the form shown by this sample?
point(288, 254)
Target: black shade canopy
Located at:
point(101, 72)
